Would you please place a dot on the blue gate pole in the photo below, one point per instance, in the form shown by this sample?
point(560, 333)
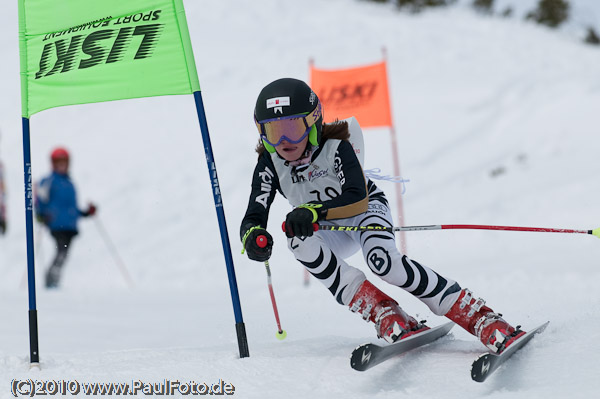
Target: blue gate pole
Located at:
point(34, 355)
point(212, 171)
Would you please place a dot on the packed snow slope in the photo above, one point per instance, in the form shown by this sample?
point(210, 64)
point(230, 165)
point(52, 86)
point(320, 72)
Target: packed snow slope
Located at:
point(498, 123)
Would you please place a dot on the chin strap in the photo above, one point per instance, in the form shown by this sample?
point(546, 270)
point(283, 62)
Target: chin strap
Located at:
point(304, 159)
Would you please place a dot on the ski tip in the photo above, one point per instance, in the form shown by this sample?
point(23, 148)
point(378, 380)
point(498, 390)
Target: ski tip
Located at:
point(537, 330)
point(596, 232)
point(542, 327)
point(357, 366)
point(481, 367)
point(361, 357)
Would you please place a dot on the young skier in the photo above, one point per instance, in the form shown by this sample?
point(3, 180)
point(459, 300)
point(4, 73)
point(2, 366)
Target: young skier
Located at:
point(315, 167)
point(56, 207)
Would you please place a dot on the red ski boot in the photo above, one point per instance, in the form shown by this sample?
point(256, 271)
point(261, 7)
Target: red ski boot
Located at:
point(391, 322)
point(491, 329)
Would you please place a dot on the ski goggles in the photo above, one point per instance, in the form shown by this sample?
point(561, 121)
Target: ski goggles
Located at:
point(292, 129)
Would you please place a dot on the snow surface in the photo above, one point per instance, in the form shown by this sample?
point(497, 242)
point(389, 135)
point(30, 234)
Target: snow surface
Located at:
point(498, 124)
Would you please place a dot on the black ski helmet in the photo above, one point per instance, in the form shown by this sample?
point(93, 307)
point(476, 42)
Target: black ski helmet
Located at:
point(299, 100)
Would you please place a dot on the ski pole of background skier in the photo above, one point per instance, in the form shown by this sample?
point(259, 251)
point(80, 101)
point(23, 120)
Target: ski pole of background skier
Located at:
point(113, 251)
point(261, 241)
point(316, 227)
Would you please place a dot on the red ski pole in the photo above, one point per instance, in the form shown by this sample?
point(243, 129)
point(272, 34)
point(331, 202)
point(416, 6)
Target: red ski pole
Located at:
point(261, 241)
point(316, 227)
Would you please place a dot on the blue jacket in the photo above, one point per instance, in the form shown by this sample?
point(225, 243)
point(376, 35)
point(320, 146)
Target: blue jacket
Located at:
point(56, 203)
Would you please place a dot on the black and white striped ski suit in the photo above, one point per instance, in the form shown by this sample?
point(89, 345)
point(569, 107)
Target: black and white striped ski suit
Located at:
point(335, 179)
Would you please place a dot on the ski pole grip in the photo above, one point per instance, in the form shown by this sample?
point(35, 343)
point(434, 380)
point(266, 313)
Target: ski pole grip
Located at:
point(315, 228)
point(261, 241)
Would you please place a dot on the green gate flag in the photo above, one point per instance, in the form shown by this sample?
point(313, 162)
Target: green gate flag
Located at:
point(86, 51)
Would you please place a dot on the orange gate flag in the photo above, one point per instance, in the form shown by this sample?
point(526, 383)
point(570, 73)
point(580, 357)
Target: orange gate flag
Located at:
point(360, 92)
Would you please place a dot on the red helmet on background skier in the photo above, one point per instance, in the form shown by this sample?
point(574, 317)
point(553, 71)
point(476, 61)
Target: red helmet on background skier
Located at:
point(58, 154)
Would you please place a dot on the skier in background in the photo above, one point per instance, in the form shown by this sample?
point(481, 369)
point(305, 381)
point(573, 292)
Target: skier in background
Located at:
point(315, 167)
point(56, 207)
point(2, 202)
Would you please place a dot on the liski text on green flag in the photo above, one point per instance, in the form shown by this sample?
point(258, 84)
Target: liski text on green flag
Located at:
point(84, 51)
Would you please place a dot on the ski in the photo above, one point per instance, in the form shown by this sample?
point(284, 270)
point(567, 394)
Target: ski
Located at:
point(368, 355)
point(487, 363)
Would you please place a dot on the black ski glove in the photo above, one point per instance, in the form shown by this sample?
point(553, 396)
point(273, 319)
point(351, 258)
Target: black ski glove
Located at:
point(259, 253)
point(299, 222)
point(2, 226)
